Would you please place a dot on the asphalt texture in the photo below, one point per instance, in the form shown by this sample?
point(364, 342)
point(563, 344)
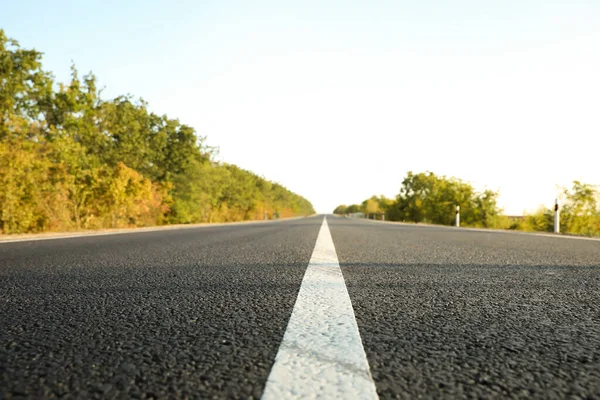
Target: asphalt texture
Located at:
point(447, 313)
point(196, 313)
point(200, 313)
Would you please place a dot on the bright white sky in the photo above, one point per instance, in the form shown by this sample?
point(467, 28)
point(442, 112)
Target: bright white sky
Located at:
point(337, 100)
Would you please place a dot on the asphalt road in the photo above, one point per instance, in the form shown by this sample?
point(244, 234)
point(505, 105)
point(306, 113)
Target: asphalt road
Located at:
point(201, 313)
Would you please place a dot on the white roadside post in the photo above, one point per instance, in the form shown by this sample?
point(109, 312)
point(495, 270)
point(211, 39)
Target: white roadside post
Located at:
point(457, 216)
point(383, 216)
point(556, 217)
point(266, 216)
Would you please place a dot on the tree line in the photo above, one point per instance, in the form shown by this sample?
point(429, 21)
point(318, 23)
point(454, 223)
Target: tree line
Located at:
point(579, 212)
point(429, 198)
point(71, 160)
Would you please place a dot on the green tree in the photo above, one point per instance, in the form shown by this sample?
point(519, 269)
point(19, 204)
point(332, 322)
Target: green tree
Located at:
point(341, 209)
point(426, 197)
point(71, 160)
point(354, 208)
point(580, 213)
point(24, 88)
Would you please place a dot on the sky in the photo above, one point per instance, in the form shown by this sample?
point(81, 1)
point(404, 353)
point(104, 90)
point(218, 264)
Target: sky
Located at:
point(338, 100)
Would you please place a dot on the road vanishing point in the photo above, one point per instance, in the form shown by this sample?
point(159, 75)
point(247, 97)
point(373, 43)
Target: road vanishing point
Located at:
point(318, 307)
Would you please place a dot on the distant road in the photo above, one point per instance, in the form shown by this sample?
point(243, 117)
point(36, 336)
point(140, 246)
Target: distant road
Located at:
point(342, 308)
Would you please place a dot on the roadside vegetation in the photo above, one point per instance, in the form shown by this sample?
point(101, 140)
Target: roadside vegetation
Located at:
point(70, 160)
point(429, 198)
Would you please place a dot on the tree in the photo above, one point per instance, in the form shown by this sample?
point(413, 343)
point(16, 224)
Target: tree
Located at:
point(370, 206)
point(580, 213)
point(24, 88)
point(341, 209)
point(71, 160)
point(353, 208)
point(426, 197)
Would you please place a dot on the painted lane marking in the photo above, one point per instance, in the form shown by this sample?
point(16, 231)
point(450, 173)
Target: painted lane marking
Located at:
point(321, 355)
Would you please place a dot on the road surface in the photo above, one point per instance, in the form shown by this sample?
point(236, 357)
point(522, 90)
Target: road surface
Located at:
point(346, 308)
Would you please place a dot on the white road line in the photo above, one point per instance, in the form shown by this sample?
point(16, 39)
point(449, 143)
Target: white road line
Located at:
point(321, 355)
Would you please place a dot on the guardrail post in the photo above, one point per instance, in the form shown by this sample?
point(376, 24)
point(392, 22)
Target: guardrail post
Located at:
point(556, 217)
point(457, 216)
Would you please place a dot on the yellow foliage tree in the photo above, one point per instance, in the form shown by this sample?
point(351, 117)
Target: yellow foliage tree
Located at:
point(129, 199)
